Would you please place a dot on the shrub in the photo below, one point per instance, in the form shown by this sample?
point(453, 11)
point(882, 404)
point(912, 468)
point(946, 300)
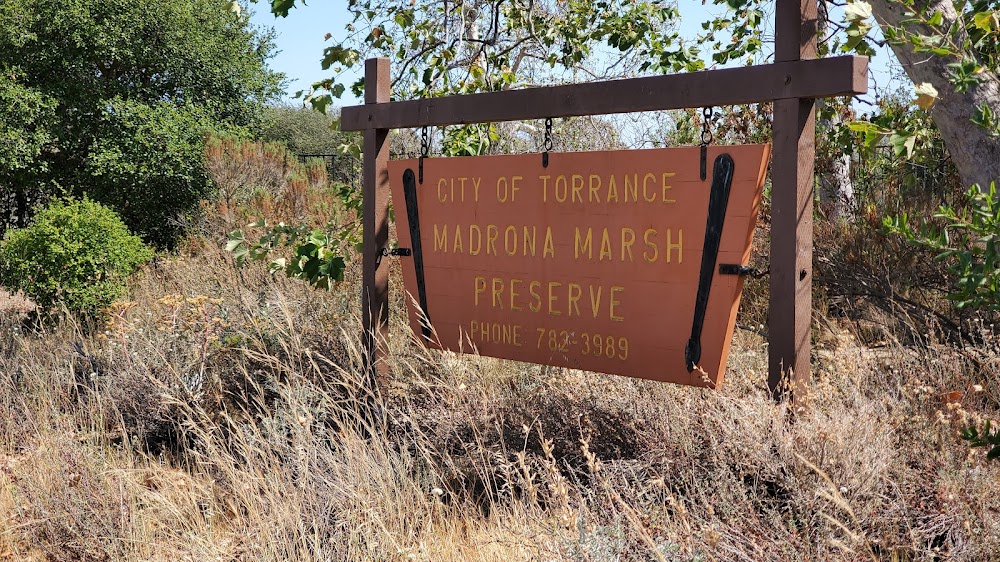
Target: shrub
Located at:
point(149, 167)
point(969, 244)
point(76, 253)
point(303, 130)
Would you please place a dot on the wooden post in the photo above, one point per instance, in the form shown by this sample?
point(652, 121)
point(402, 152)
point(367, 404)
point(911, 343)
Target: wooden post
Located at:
point(792, 209)
point(375, 283)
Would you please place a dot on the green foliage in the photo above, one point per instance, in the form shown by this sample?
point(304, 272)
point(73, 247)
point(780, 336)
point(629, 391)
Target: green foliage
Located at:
point(149, 166)
point(910, 132)
point(96, 69)
point(303, 130)
point(317, 255)
point(24, 119)
point(969, 243)
point(483, 46)
point(75, 253)
point(988, 438)
point(307, 131)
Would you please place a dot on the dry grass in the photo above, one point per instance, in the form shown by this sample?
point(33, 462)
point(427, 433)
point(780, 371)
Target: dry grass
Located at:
point(216, 418)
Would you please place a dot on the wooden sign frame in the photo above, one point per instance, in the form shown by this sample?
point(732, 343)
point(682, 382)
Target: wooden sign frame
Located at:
point(792, 82)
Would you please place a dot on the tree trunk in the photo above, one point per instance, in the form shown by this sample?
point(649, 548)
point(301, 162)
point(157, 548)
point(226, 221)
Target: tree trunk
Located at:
point(836, 188)
point(975, 153)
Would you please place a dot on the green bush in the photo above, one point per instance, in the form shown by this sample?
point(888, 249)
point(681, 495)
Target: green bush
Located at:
point(969, 243)
point(76, 253)
point(149, 167)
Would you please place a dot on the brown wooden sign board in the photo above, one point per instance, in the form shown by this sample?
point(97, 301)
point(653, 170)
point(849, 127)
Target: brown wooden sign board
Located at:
point(592, 262)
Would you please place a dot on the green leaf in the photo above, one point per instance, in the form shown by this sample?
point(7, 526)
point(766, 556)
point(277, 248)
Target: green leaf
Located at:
point(282, 7)
point(902, 144)
point(986, 21)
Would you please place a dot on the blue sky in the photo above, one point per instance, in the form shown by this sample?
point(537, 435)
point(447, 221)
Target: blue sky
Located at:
point(300, 39)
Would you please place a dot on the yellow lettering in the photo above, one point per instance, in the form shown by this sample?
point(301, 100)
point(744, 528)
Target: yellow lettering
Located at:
point(605, 246)
point(492, 233)
point(651, 254)
point(441, 239)
point(545, 188)
point(458, 249)
point(461, 183)
point(649, 197)
point(517, 335)
point(632, 188)
point(577, 188)
point(615, 302)
point(612, 190)
point(628, 238)
point(548, 247)
point(587, 245)
point(510, 240)
point(529, 240)
point(497, 292)
point(595, 185)
point(595, 299)
point(476, 182)
point(480, 284)
point(561, 180)
point(679, 246)
point(536, 303)
point(475, 239)
point(513, 293)
point(667, 186)
point(553, 298)
point(514, 188)
point(574, 299)
point(442, 197)
point(502, 191)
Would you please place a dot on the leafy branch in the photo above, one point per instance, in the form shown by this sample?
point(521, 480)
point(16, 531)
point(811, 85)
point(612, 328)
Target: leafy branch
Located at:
point(989, 438)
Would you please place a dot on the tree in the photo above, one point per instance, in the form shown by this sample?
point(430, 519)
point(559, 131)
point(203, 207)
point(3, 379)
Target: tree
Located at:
point(129, 88)
point(948, 49)
point(955, 51)
point(303, 130)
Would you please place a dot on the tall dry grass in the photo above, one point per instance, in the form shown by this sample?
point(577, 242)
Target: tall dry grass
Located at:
point(217, 416)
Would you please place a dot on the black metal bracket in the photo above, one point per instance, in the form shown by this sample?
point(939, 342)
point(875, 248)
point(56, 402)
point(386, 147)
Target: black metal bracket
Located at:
point(413, 217)
point(718, 200)
point(386, 252)
point(742, 270)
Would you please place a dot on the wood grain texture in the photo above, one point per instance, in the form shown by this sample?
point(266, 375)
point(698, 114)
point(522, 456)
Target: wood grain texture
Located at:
point(790, 311)
point(509, 273)
point(375, 216)
point(835, 76)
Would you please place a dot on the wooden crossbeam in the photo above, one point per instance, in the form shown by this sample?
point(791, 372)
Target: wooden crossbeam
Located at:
point(800, 79)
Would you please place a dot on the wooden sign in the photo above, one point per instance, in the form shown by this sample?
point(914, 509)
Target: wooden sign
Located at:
point(603, 261)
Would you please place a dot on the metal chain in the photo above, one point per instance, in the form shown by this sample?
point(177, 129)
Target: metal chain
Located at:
point(548, 134)
point(424, 144)
point(706, 121)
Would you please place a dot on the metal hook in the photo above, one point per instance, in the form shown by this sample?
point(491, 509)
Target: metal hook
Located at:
point(706, 139)
point(424, 150)
point(547, 143)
